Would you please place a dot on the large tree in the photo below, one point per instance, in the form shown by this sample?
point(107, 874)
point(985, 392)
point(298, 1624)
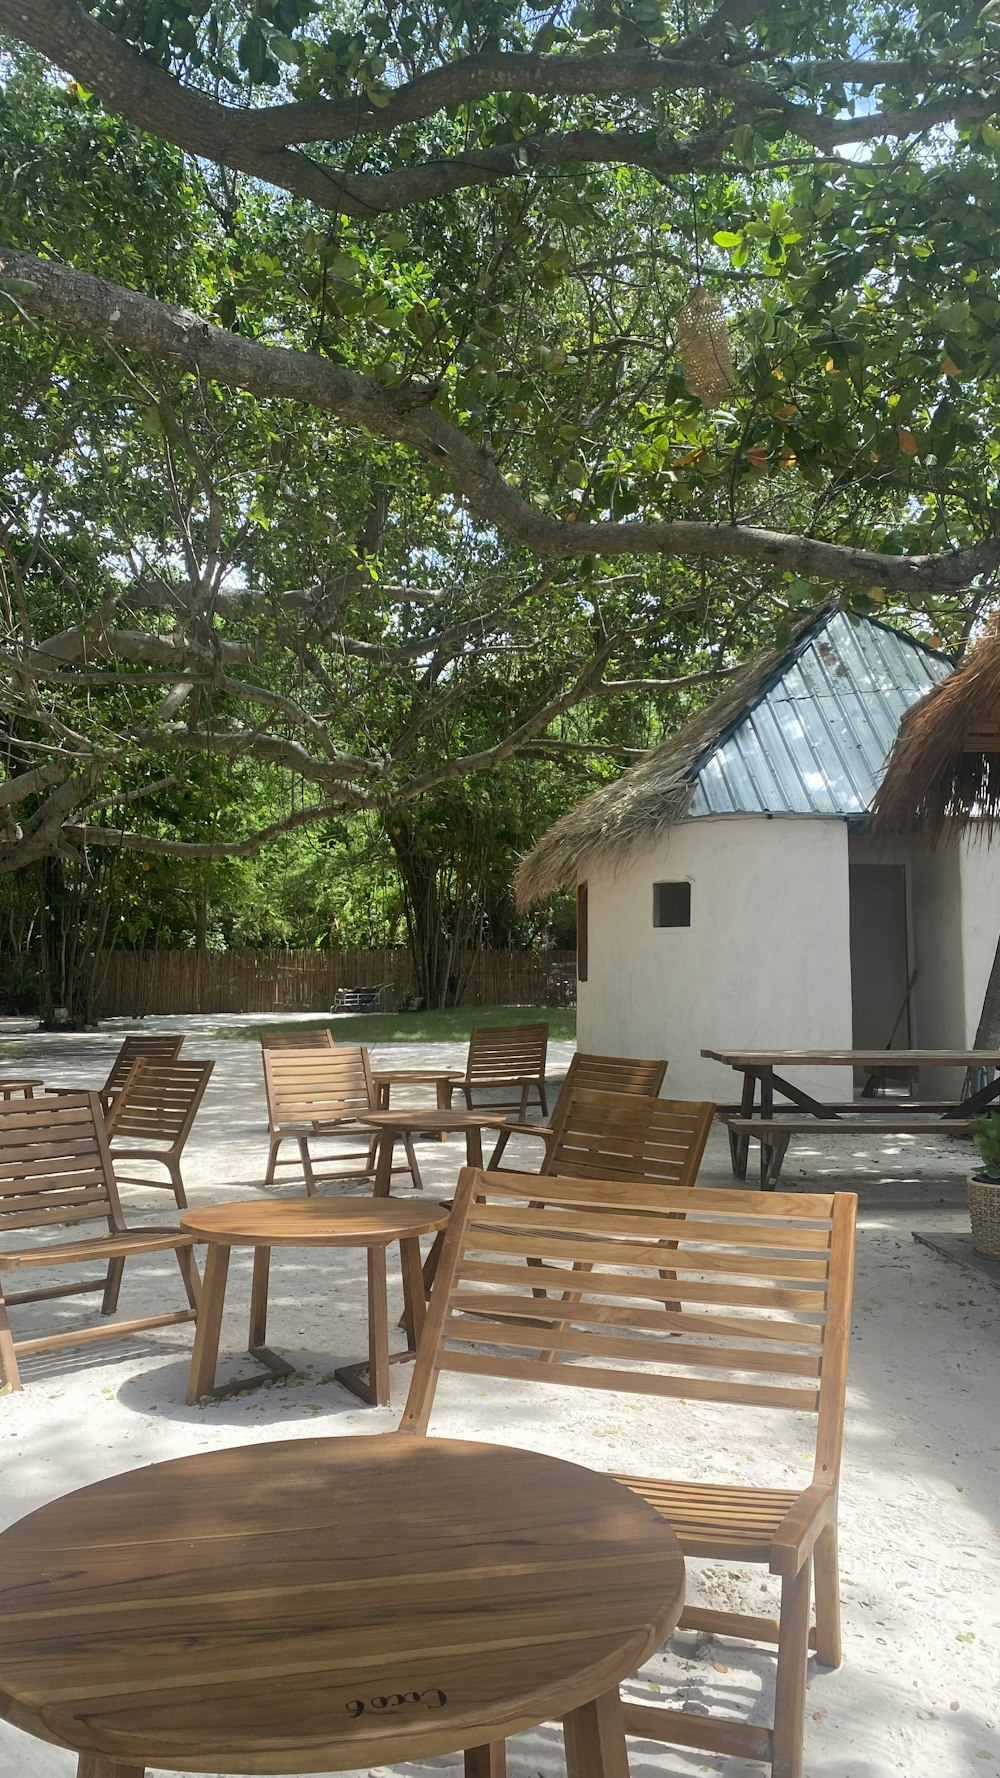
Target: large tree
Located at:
point(345, 415)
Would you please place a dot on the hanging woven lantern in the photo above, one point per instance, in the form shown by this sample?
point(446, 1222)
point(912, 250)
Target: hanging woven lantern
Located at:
point(706, 354)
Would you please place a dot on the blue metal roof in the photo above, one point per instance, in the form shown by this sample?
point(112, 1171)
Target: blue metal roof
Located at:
point(816, 739)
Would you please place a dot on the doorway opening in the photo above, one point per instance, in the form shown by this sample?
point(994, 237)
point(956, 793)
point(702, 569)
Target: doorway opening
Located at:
point(881, 973)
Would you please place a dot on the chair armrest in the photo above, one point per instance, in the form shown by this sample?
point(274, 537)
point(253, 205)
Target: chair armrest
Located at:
point(812, 1512)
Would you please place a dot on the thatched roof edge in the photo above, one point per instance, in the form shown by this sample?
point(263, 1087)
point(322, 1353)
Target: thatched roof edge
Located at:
point(656, 793)
point(944, 770)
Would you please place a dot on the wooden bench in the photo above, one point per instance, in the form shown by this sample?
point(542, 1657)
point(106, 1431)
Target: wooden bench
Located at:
point(774, 1133)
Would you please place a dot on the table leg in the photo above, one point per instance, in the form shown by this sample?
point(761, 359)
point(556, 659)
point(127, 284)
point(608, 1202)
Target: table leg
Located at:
point(383, 1166)
point(205, 1356)
point(258, 1297)
point(739, 1145)
point(373, 1388)
point(474, 1146)
point(414, 1301)
point(595, 1739)
point(488, 1761)
point(442, 1095)
point(94, 1765)
point(378, 1328)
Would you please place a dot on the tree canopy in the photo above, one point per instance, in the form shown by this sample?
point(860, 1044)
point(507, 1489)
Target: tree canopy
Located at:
point(351, 443)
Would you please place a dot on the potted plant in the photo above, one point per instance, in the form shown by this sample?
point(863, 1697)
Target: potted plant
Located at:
point(984, 1186)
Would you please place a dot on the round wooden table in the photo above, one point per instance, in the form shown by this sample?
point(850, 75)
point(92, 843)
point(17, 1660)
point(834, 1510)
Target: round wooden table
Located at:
point(25, 1087)
point(310, 1222)
point(318, 1605)
point(394, 1126)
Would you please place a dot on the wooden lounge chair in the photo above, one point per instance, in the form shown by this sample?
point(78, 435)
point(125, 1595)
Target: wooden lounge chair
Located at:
point(165, 1049)
point(288, 1037)
point(319, 1092)
point(766, 1282)
point(609, 1074)
point(55, 1171)
point(152, 1116)
point(507, 1056)
point(625, 1136)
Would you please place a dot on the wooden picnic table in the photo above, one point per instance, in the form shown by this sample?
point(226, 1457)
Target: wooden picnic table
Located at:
point(764, 1076)
point(333, 1604)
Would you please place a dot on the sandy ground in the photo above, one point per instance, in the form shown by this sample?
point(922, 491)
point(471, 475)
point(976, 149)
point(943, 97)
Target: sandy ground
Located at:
point(918, 1692)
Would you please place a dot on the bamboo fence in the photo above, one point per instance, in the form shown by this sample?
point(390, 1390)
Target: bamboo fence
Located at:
point(138, 983)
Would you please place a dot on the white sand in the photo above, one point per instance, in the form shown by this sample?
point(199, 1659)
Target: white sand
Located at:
point(919, 1692)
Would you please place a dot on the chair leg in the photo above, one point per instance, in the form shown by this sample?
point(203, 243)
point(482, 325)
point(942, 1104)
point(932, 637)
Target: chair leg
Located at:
point(10, 1376)
point(790, 1685)
point(112, 1286)
point(542, 1100)
point(522, 1110)
point(502, 1141)
point(467, 1091)
point(827, 1588)
point(190, 1275)
point(307, 1166)
point(173, 1167)
point(273, 1145)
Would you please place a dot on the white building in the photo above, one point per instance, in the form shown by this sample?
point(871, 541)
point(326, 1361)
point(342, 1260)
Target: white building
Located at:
point(729, 897)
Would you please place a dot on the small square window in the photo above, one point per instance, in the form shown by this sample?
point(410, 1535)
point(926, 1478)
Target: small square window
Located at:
point(671, 904)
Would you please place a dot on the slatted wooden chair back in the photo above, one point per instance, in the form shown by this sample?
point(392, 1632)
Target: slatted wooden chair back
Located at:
point(159, 1102)
point(613, 1074)
point(627, 1136)
point(55, 1168)
point(163, 1049)
point(608, 1074)
point(500, 1055)
point(315, 1037)
point(316, 1086)
point(765, 1283)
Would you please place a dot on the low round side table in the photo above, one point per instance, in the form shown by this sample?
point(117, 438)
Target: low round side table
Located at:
point(26, 1088)
point(393, 1126)
point(325, 1605)
point(310, 1222)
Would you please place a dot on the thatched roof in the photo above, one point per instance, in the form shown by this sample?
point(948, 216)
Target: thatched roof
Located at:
point(944, 771)
point(844, 700)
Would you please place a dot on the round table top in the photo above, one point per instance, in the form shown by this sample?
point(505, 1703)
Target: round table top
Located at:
point(425, 1117)
point(312, 1605)
point(17, 1084)
point(319, 1222)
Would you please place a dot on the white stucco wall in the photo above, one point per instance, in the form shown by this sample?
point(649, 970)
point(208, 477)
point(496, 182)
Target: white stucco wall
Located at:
point(765, 961)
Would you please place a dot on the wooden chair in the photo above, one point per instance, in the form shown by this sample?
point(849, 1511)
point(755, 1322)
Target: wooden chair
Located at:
point(164, 1049)
point(55, 1170)
point(314, 1037)
point(609, 1074)
point(152, 1116)
point(766, 1282)
point(318, 1092)
point(507, 1056)
point(624, 1136)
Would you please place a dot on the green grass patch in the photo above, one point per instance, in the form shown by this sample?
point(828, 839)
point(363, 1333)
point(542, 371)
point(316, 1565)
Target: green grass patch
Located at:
point(452, 1025)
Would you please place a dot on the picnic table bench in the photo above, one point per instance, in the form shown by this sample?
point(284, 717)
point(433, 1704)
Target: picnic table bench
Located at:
point(757, 1117)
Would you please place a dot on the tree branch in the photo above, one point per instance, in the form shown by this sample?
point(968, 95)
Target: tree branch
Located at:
point(100, 309)
point(257, 140)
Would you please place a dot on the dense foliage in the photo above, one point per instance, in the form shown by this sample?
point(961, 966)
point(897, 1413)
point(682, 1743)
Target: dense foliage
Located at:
point(356, 512)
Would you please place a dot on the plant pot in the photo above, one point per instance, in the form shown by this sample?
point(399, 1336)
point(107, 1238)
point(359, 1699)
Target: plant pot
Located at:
point(984, 1210)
